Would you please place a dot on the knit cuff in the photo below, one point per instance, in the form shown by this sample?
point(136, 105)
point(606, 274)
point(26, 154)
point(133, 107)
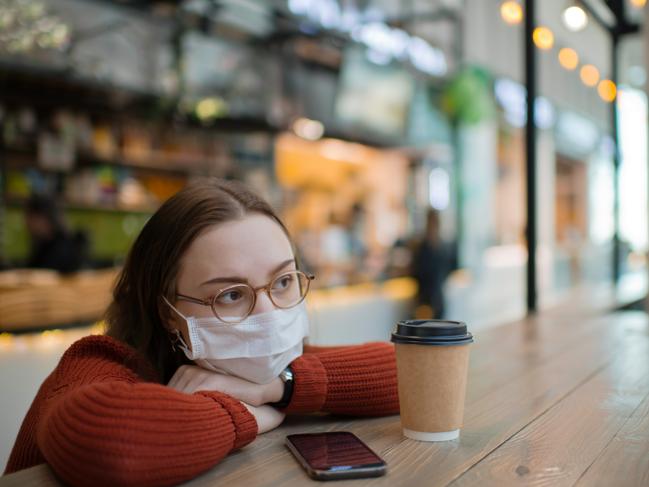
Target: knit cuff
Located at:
point(310, 385)
point(362, 380)
point(245, 425)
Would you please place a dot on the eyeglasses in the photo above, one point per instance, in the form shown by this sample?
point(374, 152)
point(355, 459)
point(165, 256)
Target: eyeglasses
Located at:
point(234, 303)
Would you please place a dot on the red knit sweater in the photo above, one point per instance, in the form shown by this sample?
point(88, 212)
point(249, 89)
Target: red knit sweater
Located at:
point(95, 421)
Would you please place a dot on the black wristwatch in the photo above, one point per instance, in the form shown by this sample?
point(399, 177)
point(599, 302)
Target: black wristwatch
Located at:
point(287, 378)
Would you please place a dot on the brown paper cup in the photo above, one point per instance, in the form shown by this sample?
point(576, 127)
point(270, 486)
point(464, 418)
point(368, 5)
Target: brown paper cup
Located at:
point(432, 387)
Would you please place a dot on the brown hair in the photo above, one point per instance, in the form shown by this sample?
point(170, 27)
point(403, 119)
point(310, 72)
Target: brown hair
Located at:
point(136, 315)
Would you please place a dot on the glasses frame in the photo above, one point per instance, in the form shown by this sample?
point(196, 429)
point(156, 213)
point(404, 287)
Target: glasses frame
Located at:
point(255, 291)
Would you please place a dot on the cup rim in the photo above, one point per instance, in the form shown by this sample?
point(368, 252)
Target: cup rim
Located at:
point(458, 336)
point(437, 341)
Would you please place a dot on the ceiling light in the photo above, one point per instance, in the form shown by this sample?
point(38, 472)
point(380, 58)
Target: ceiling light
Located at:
point(575, 18)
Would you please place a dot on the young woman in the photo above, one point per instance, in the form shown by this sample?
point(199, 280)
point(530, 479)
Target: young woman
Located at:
point(203, 352)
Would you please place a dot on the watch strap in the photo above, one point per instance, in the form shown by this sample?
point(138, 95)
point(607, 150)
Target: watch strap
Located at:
point(287, 378)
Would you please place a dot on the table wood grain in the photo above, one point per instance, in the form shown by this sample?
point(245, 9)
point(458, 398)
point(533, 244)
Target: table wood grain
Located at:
point(561, 399)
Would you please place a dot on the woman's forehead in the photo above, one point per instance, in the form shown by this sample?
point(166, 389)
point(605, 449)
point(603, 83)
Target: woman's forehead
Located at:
point(249, 247)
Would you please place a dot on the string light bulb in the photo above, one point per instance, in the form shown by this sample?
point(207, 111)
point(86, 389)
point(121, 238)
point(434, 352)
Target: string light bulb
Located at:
point(568, 58)
point(589, 75)
point(543, 38)
point(607, 90)
point(511, 12)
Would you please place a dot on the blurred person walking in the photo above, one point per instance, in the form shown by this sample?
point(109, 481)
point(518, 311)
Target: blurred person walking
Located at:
point(432, 263)
point(53, 244)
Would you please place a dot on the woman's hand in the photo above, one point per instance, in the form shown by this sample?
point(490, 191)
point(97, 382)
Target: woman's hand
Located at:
point(267, 417)
point(190, 378)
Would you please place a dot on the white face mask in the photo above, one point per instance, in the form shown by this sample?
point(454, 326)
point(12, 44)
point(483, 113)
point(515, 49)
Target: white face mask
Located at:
point(256, 349)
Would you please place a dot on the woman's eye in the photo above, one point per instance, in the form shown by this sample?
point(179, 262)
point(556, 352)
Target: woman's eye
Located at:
point(229, 297)
point(283, 282)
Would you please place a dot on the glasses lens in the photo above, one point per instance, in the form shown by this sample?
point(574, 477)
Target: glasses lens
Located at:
point(234, 303)
point(289, 289)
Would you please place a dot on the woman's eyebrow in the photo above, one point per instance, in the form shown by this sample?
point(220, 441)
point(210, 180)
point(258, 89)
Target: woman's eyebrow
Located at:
point(245, 280)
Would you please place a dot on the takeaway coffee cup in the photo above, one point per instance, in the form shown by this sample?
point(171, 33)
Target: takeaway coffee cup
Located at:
point(432, 364)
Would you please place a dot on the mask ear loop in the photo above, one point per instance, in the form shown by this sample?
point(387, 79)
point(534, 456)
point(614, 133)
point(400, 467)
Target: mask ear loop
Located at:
point(176, 337)
point(174, 308)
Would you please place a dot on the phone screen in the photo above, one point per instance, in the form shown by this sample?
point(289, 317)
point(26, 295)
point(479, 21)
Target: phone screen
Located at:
point(334, 451)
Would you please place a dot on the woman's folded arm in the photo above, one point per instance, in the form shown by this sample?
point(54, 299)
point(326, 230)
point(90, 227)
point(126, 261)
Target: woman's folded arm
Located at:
point(357, 380)
point(120, 433)
point(96, 421)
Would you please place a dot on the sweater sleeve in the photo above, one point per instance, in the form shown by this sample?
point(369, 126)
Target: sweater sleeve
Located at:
point(356, 380)
point(108, 429)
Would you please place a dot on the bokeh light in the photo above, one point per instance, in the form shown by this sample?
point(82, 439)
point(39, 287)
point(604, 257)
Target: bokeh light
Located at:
point(210, 108)
point(568, 58)
point(607, 90)
point(308, 129)
point(575, 18)
point(589, 75)
point(511, 12)
point(543, 38)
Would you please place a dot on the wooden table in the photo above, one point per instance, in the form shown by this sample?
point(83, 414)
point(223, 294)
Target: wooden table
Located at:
point(555, 400)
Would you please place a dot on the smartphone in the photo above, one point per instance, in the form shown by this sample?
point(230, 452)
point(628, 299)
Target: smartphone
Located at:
point(335, 455)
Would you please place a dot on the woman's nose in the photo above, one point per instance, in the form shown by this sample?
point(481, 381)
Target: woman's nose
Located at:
point(263, 304)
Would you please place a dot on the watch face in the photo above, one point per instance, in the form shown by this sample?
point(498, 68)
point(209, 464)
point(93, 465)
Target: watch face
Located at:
point(286, 374)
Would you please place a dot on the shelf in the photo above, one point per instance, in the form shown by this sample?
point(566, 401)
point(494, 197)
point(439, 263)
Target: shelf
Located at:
point(109, 209)
point(85, 159)
point(24, 159)
point(45, 88)
point(50, 88)
point(15, 203)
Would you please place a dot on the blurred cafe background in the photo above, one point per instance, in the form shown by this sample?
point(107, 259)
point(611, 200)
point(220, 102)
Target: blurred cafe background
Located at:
point(389, 134)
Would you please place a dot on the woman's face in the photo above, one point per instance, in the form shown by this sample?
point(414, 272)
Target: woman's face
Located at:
point(251, 250)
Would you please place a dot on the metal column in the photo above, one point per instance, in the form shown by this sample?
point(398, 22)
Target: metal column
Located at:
point(530, 146)
point(615, 41)
point(621, 28)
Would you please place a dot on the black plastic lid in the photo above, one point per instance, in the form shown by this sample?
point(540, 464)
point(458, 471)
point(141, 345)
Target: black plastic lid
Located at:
point(432, 332)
